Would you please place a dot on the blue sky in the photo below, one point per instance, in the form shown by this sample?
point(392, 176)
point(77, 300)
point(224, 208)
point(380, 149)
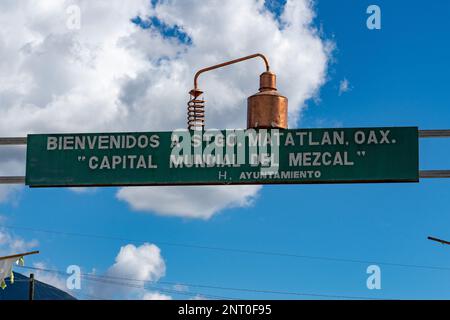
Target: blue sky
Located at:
point(398, 76)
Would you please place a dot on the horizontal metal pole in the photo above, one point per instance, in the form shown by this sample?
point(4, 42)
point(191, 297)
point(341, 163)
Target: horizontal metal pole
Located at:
point(422, 174)
point(434, 133)
point(422, 134)
point(13, 141)
point(434, 174)
point(12, 180)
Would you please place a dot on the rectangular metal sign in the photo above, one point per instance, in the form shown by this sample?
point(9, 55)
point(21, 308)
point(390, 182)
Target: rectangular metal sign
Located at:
point(338, 155)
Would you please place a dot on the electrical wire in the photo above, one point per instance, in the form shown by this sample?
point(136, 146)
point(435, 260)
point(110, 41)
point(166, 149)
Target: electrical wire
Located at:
point(242, 251)
point(161, 289)
point(106, 278)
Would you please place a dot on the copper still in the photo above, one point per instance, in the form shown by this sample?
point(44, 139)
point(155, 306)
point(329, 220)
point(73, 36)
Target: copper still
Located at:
point(265, 109)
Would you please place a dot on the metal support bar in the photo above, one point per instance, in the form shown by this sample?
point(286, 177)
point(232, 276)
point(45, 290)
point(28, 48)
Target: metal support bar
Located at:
point(422, 134)
point(424, 174)
point(434, 174)
point(12, 180)
point(434, 133)
point(13, 141)
point(19, 255)
point(438, 240)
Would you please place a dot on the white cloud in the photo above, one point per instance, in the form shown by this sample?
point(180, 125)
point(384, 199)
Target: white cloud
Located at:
point(192, 202)
point(344, 86)
point(155, 296)
point(180, 288)
point(133, 267)
point(12, 244)
point(84, 190)
point(143, 263)
point(8, 193)
point(114, 76)
point(51, 278)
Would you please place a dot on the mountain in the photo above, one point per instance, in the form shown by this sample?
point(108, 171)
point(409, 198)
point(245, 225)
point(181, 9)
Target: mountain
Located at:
point(42, 291)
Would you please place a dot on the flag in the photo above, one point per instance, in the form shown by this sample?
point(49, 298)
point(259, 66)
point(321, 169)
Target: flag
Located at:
point(6, 269)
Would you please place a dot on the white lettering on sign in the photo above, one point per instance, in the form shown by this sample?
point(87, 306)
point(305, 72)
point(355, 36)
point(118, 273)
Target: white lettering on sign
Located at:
point(322, 138)
point(121, 162)
point(226, 149)
point(102, 142)
point(373, 137)
point(254, 175)
point(317, 159)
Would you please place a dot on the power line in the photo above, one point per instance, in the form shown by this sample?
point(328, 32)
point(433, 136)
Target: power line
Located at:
point(235, 250)
point(105, 279)
point(263, 291)
point(161, 289)
point(131, 285)
point(249, 290)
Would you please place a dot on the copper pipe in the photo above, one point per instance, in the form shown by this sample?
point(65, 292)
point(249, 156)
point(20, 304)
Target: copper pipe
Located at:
point(266, 62)
point(266, 109)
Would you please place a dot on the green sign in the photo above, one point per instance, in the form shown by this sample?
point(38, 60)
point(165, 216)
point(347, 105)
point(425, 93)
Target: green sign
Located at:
point(216, 157)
